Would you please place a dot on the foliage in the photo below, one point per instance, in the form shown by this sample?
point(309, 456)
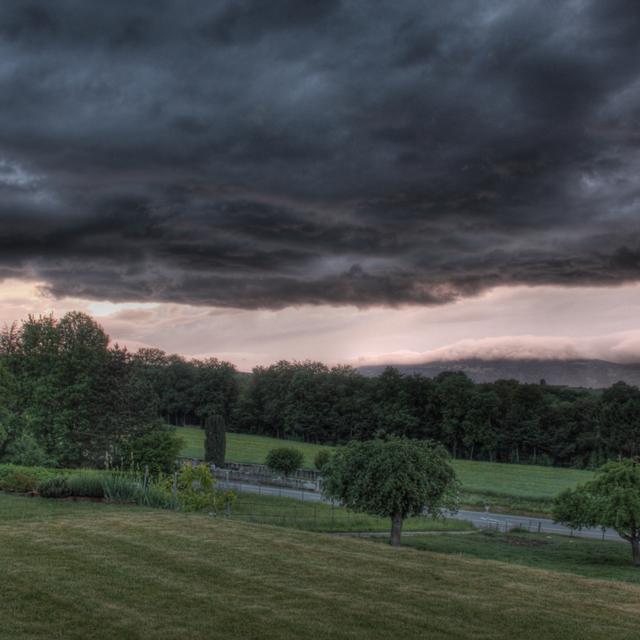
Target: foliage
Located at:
point(19, 482)
point(285, 460)
point(157, 496)
point(79, 398)
point(394, 477)
point(215, 440)
point(22, 479)
point(321, 459)
point(503, 421)
point(612, 499)
point(187, 391)
point(195, 488)
point(120, 486)
point(68, 398)
point(56, 487)
point(157, 449)
point(86, 484)
point(24, 450)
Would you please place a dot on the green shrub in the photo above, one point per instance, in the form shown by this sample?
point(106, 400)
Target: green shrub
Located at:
point(86, 484)
point(285, 460)
point(158, 449)
point(22, 479)
point(56, 487)
point(322, 457)
point(24, 450)
point(195, 490)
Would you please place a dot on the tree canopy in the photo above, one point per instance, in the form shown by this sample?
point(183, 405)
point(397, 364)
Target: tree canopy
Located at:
point(612, 499)
point(394, 477)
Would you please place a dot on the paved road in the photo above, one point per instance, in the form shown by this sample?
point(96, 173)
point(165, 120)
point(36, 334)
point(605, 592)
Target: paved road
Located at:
point(482, 519)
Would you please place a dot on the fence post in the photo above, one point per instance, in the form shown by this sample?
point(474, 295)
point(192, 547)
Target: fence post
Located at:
point(539, 526)
point(174, 488)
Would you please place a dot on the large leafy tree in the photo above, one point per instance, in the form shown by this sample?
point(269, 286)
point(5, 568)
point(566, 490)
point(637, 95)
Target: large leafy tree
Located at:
point(80, 399)
point(612, 499)
point(392, 477)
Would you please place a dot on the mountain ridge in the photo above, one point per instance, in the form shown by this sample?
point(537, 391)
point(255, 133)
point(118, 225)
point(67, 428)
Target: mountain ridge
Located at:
point(584, 373)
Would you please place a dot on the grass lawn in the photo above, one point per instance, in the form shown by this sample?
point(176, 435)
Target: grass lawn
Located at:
point(73, 571)
point(243, 447)
point(510, 487)
point(312, 516)
point(590, 558)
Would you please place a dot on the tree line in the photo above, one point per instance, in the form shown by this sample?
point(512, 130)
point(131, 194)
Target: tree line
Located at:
point(69, 397)
point(502, 421)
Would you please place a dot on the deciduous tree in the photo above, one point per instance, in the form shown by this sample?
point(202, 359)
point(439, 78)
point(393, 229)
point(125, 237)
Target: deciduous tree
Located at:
point(394, 477)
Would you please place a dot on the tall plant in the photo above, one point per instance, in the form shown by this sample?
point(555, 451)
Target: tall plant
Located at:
point(215, 440)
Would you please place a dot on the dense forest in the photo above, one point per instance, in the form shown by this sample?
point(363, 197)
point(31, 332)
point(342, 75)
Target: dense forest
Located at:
point(67, 396)
point(502, 421)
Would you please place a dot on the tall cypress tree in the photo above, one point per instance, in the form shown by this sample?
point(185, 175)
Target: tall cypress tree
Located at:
point(215, 439)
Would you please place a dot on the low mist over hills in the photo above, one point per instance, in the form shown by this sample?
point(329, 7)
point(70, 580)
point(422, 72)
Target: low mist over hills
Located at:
point(593, 374)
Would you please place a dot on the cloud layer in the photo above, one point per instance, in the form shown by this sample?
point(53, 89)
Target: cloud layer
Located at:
point(266, 154)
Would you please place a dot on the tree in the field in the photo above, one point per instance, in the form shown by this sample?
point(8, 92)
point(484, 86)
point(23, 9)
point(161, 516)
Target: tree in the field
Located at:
point(215, 442)
point(285, 460)
point(394, 478)
point(612, 499)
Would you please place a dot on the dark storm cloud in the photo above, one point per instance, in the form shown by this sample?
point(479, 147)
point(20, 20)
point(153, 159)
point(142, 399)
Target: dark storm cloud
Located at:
point(265, 154)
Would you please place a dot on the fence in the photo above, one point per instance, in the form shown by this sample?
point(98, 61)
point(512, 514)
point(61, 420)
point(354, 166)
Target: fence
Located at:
point(303, 479)
point(538, 526)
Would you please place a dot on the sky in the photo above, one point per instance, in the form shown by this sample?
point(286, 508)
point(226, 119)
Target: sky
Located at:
point(349, 181)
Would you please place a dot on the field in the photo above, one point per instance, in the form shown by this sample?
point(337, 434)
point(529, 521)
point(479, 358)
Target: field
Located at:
point(589, 558)
point(524, 488)
point(244, 448)
point(79, 570)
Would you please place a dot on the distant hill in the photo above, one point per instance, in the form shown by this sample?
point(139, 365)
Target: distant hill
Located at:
point(594, 374)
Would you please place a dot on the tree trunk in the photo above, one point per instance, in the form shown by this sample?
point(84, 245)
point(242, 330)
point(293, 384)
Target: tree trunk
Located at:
point(396, 529)
point(635, 551)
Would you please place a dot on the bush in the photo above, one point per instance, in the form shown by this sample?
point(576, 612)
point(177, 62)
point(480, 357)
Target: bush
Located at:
point(56, 487)
point(86, 484)
point(22, 479)
point(322, 457)
point(285, 460)
point(157, 449)
point(25, 451)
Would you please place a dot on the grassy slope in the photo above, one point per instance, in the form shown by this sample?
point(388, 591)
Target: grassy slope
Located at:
point(526, 482)
point(590, 558)
point(244, 448)
point(73, 571)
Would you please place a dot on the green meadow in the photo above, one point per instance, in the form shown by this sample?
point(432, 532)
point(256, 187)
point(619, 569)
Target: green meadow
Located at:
point(81, 570)
point(511, 487)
